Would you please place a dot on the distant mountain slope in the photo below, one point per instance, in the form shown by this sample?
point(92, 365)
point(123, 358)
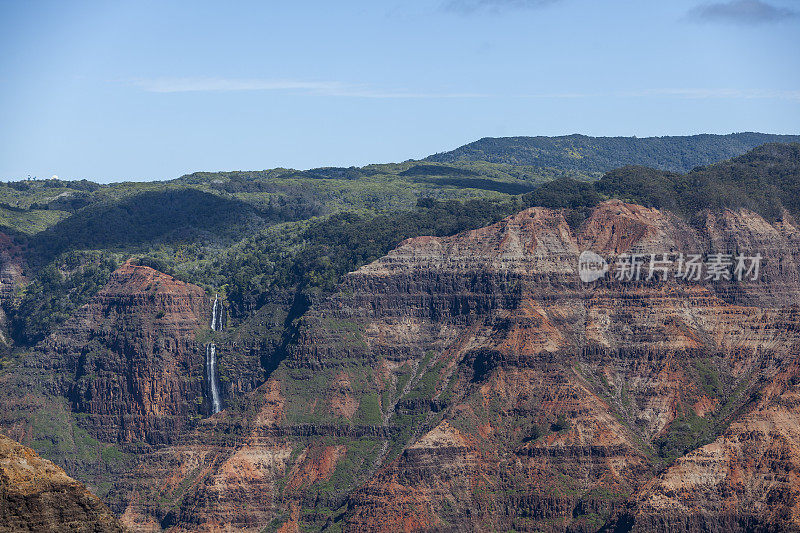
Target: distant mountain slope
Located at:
point(764, 180)
point(600, 154)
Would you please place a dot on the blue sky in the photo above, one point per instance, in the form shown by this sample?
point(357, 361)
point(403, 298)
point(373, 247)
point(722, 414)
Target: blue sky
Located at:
point(124, 90)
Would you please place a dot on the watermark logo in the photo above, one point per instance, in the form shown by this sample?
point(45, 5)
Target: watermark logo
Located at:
point(688, 267)
point(591, 266)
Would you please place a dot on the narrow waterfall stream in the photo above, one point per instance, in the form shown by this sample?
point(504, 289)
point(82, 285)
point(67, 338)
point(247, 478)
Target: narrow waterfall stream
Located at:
point(211, 370)
point(211, 357)
point(216, 315)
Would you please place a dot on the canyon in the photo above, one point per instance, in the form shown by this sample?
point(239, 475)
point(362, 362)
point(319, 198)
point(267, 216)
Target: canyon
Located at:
point(457, 383)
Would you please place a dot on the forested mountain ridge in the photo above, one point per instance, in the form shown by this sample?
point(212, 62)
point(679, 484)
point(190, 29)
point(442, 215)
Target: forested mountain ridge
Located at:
point(245, 232)
point(593, 155)
point(764, 180)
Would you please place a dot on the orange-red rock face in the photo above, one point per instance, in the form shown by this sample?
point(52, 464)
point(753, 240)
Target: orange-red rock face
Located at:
point(747, 479)
point(37, 496)
point(626, 366)
point(129, 362)
point(474, 382)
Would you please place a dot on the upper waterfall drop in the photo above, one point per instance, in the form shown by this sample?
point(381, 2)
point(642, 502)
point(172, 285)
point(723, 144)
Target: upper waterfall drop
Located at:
point(216, 315)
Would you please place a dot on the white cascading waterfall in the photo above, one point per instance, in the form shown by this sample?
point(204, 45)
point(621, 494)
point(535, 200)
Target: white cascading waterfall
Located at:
point(211, 356)
point(216, 315)
point(211, 370)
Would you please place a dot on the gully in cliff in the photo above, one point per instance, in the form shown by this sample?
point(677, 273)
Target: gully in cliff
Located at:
point(211, 356)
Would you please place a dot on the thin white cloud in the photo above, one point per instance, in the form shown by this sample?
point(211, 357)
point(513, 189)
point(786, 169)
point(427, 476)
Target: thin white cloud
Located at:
point(324, 88)
point(743, 12)
point(184, 85)
point(333, 88)
point(699, 93)
point(557, 95)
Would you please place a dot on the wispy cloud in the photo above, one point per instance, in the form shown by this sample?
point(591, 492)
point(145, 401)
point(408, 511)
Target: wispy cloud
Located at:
point(185, 85)
point(744, 12)
point(335, 88)
point(678, 92)
point(564, 95)
point(697, 93)
point(323, 88)
point(472, 6)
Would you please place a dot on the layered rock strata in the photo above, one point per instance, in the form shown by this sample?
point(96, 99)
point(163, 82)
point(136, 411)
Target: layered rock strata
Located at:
point(475, 382)
point(37, 496)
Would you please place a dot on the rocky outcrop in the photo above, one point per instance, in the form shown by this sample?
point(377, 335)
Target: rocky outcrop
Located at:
point(37, 496)
point(128, 361)
point(471, 382)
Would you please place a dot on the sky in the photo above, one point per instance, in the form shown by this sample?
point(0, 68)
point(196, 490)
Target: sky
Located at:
point(138, 90)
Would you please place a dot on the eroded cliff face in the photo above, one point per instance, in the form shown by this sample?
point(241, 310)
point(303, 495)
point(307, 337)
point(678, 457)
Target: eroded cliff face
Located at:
point(132, 362)
point(747, 479)
point(128, 361)
point(459, 383)
point(474, 382)
point(37, 496)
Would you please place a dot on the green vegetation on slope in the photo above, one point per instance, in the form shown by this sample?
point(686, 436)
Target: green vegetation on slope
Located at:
point(251, 233)
point(764, 180)
point(58, 290)
point(579, 153)
point(190, 227)
point(245, 233)
point(314, 257)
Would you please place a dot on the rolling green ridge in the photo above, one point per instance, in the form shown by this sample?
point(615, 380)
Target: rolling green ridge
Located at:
point(764, 180)
point(243, 233)
point(595, 155)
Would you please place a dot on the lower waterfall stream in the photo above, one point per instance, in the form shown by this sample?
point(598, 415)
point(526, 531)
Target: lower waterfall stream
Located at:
point(211, 370)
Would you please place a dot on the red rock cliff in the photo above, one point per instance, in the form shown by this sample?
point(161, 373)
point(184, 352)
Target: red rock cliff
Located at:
point(474, 382)
point(129, 362)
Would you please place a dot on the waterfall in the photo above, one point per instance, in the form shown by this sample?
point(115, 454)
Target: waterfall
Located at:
point(211, 356)
point(211, 370)
point(216, 315)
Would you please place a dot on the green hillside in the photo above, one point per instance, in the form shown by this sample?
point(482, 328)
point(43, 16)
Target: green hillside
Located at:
point(593, 155)
point(765, 180)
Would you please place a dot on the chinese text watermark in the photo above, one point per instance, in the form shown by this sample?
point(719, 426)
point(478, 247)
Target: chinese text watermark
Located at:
point(687, 267)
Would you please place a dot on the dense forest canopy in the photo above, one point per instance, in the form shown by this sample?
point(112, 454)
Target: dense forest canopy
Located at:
point(594, 155)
